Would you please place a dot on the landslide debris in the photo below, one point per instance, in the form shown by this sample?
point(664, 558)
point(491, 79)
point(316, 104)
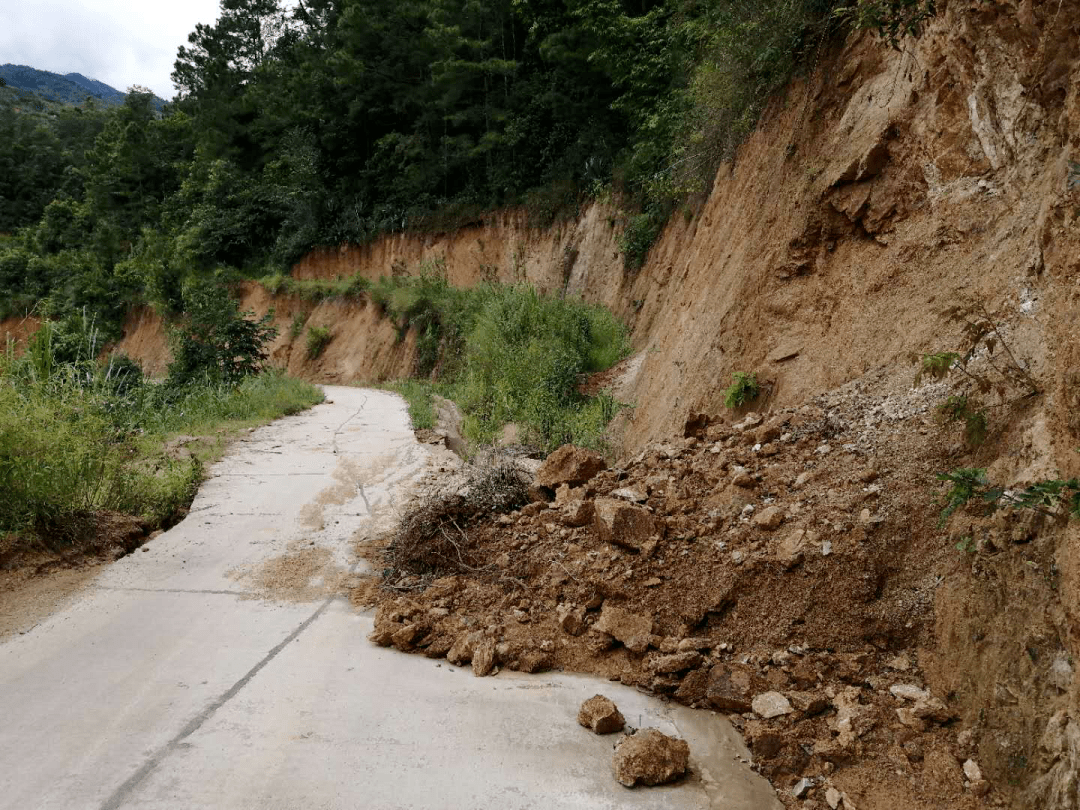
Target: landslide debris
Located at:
point(780, 568)
point(601, 716)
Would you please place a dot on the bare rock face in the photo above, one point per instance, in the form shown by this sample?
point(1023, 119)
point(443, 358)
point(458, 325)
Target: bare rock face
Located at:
point(623, 524)
point(569, 465)
point(731, 687)
point(600, 715)
point(650, 758)
point(632, 630)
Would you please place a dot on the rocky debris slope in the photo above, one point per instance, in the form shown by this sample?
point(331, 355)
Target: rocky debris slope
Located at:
point(781, 569)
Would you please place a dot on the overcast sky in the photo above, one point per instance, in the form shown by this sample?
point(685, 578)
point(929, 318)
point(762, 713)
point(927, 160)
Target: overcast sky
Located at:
point(119, 42)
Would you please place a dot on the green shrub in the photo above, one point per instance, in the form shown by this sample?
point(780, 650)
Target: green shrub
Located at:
point(318, 338)
point(744, 389)
point(216, 341)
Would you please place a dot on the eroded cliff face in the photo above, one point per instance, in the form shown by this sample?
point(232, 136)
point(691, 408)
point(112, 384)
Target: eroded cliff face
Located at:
point(878, 192)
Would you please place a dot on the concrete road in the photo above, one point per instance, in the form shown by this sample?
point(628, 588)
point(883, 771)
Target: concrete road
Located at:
point(222, 668)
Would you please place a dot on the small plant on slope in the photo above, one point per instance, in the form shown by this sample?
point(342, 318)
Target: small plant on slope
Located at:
point(971, 484)
point(318, 337)
point(986, 367)
point(744, 389)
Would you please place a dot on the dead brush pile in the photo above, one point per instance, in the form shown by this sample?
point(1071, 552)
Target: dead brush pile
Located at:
point(431, 540)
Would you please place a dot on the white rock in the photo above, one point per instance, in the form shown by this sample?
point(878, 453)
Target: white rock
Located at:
point(771, 704)
point(833, 798)
point(906, 691)
point(802, 787)
point(972, 771)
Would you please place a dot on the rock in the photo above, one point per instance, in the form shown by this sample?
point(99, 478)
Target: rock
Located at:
point(461, 652)
point(763, 740)
point(600, 715)
point(742, 478)
point(650, 758)
point(731, 686)
point(483, 659)
point(632, 630)
point(534, 661)
point(403, 639)
point(569, 465)
point(677, 662)
point(802, 787)
point(769, 518)
point(792, 549)
point(598, 642)
point(630, 494)
point(771, 704)
point(692, 688)
point(690, 644)
point(908, 718)
point(934, 710)
point(972, 771)
point(571, 618)
point(808, 703)
point(623, 524)
point(906, 691)
point(577, 513)
point(832, 798)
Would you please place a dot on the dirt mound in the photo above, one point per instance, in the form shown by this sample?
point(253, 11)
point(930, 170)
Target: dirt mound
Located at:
point(775, 581)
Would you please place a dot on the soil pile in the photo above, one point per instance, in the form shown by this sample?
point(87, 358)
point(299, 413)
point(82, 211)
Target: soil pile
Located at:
point(781, 568)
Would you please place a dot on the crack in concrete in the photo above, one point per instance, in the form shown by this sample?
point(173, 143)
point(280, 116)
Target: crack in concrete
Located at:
point(333, 441)
point(122, 793)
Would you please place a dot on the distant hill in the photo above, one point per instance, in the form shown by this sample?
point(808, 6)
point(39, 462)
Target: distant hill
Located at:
point(97, 89)
point(70, 89)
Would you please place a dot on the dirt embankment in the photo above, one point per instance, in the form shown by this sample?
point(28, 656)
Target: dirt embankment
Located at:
point(880, 191)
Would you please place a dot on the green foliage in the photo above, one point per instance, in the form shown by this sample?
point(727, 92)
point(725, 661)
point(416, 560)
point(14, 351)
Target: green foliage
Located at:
point(78, 437)
point(743, 390)
point(506, 353)
point(891, 20)
point(989, 372)
point(216, 341)
point(318, 338)
point(419, 395)
point(296, 326)
point(969, 484)
point(975, 420)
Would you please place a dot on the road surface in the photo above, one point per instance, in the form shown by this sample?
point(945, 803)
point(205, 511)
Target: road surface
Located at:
point(221, 666)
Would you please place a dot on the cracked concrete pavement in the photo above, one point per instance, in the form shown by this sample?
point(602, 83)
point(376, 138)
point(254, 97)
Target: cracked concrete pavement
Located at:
point(224, 668)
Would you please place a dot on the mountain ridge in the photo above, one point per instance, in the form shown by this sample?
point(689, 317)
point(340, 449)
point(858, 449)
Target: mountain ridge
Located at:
point(70, 88)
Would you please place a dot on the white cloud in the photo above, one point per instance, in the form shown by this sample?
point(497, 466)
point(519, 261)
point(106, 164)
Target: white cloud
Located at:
point(119, 42)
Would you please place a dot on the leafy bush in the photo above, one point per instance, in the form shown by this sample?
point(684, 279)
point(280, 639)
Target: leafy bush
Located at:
point(744, 389)
point(216, 341)
point(318, 338)
point(891, 20)
point(971, 484)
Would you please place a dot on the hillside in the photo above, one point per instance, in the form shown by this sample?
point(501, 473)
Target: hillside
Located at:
point(882, 534)
point(73, 88)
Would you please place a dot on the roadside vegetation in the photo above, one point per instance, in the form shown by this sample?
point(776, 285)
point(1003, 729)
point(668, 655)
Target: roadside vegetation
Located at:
point(503, 353)
point(80, 434)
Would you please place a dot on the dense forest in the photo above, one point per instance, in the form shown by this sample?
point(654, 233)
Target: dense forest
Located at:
point(326, 121)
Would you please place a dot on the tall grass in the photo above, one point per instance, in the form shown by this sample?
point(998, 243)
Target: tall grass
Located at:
point(506, 353)
point(77, 437)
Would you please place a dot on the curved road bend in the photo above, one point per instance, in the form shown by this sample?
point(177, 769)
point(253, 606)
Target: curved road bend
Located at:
point(221, 668)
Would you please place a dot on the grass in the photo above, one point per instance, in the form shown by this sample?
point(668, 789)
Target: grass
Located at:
point(78, 441)
point(318, 338)
point(419, 395)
